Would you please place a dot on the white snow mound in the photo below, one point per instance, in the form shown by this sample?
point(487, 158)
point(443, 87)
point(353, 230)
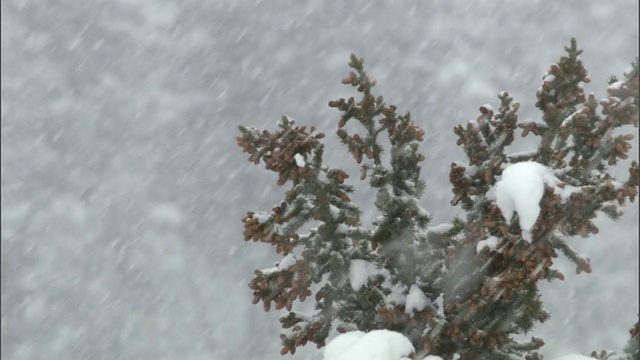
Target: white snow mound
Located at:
point(358, 274)
point(574, 357)
point(374, 345)
point(416, 300)
point(491, 242)
point(521, 190)
point(299, 158)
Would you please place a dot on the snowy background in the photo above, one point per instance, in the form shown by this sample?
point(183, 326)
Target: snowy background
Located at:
point(123, 189)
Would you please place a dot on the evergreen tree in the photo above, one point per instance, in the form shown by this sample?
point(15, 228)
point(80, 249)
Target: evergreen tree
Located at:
point(632, 350)
point(463, 288)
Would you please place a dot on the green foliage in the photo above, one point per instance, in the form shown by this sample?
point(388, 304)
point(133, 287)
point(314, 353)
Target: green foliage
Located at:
point(632, 350)
point(478, 298)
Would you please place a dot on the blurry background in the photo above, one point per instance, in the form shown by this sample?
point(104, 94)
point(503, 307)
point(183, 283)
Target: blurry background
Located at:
point(123, 188)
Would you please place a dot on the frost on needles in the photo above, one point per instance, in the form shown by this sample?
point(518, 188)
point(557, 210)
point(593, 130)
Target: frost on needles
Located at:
point(463, 289)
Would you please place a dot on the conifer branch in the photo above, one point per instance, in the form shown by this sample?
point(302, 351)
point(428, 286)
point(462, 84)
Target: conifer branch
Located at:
point(475, 278)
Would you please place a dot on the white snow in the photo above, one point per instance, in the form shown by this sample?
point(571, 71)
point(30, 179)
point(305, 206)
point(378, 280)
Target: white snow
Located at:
point(262, 216)
point(567, 121)
point(470, 170)
point(523, 153)
point(574, 357)
point(128, 113)
point(300, 160)
point(416, 300)
point(488, 107)
point(361, 270)
point(374, 345)
point(340, 344)
point(440, 305)
point(287, 262)
point(422, 211)
point(616, 85)
point(521, 190)
point(358, 274)
point(334, 211)
point(491, 242)
point(347, 230)
point(440, 228)
point(396, 295)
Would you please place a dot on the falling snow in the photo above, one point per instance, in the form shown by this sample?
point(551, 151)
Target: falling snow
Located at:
point(123, 187)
